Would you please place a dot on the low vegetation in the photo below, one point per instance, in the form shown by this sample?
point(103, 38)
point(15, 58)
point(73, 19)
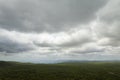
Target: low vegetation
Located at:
point(60, 71)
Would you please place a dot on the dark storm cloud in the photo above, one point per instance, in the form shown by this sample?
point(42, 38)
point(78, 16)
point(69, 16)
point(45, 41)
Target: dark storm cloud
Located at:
point(9, 46)
point(45, 15)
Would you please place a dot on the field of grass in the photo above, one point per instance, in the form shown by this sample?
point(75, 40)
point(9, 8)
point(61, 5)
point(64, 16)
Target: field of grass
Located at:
point(60, 71)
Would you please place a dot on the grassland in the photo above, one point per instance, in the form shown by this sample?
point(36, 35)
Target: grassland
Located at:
point(60, 71)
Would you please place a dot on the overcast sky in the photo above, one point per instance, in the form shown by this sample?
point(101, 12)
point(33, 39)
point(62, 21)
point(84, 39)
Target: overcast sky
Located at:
point(55, 30)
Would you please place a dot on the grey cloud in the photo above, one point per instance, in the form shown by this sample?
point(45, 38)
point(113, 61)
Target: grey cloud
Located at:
point(87, 51)
point(9, 46)
point(73, 43)
point(69, 43)
point(110, 12)
point(109, 19)
point(45, 15)
point(42, 44)
point(50, 47)
point(78, 39)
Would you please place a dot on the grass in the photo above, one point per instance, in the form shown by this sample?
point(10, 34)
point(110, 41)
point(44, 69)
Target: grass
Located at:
point(60, 71)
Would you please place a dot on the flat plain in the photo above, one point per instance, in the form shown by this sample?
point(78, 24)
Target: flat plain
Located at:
point(60, 71)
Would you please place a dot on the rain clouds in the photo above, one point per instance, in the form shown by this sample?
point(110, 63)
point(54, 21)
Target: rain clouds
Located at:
point(59, 30)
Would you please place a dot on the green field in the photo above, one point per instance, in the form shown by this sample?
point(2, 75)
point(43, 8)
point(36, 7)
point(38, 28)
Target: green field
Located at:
point(60, 71)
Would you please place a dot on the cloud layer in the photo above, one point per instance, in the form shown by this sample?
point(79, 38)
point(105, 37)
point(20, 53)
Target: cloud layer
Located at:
point(43, 30)
point(45, 15)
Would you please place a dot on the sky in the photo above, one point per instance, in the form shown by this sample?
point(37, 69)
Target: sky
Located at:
point(56, 30)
